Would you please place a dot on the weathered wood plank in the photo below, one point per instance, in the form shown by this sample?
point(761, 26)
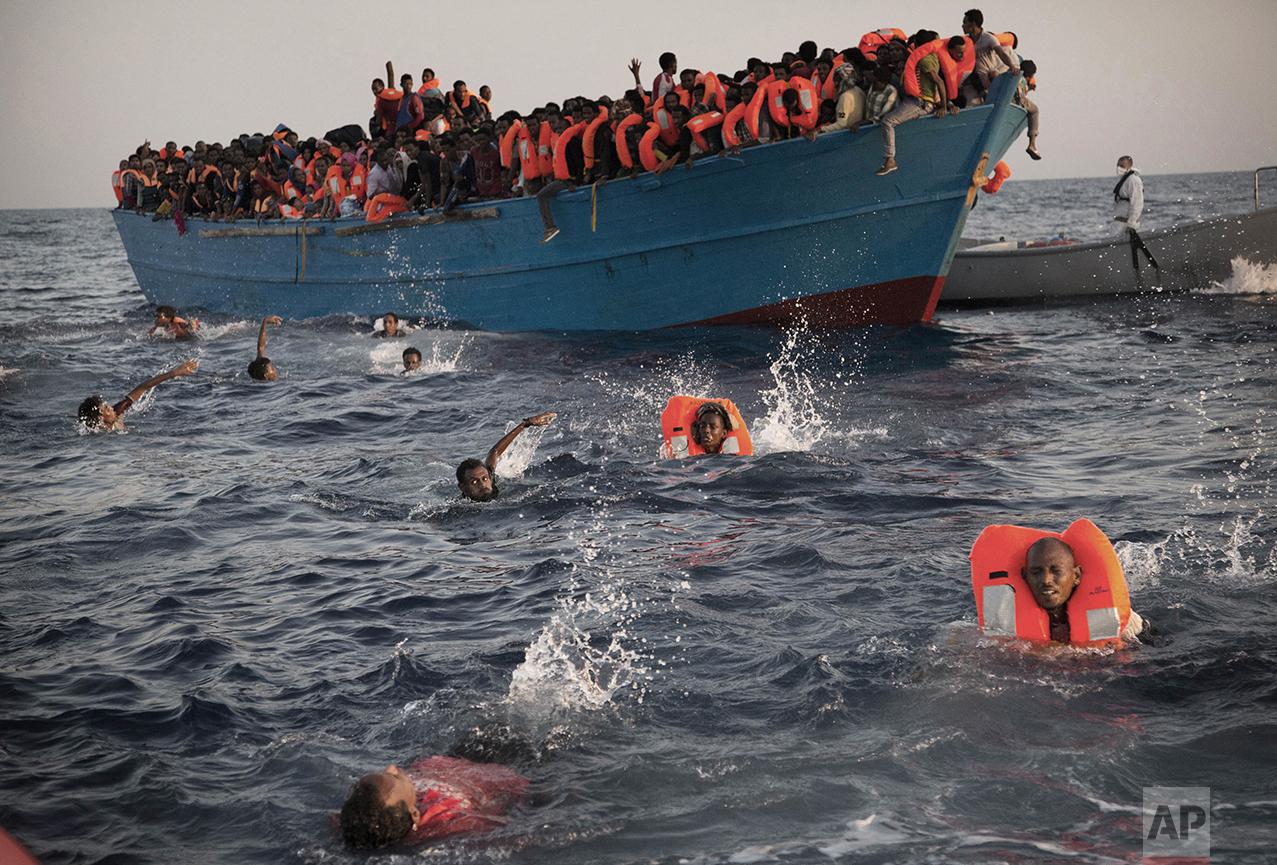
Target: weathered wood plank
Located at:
point(412, 221)
point(263, 231)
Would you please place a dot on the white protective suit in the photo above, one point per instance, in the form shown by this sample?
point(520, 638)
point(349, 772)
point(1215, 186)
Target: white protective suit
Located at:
point(1129, 203)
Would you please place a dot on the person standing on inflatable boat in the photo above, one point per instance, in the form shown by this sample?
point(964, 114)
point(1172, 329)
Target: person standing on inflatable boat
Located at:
point(1052, 574)
point(478, 480)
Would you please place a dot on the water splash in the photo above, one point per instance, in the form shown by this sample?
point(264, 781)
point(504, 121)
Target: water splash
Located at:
point(438, 357)
point(517, 458)
point(797, 418)
point(582, 660)
point(1247, 278)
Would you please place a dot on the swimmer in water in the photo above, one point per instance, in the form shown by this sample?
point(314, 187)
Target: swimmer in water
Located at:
point(390, 322)
point(711, 427)
point(97, 415)
point(478, 480)
point(166, 320)
point(261, 369)
point(436, 797)
point(1052, 574)
point(411, 359)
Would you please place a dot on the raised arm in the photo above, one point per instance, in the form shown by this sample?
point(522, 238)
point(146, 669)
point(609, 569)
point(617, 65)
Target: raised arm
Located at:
point(185, 369)
point(634, 70)
point(261, 335)
point(499, 448)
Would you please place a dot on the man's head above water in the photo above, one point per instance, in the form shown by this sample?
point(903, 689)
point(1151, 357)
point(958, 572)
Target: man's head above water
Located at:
point(381, 809)
point(475, 481)
point(711, 427)
point(1052, 574)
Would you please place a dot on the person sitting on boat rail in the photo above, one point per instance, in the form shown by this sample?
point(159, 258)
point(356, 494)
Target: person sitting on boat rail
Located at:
point(932, 97)
point(261, 369)
point(1128, 197)
point(1052, 574)
point(169, 324)
point(478, 480)
point(97, 415)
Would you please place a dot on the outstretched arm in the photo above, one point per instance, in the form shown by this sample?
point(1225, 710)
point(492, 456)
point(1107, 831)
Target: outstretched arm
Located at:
point(634, 70)
point(185, 369)
point(499, 448)
point(261, 336)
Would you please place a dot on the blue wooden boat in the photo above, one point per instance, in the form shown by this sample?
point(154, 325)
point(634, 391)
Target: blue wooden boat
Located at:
point(797, 231)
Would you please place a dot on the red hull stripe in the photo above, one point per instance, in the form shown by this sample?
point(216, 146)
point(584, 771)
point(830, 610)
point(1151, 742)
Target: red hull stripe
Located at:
point(896, 302)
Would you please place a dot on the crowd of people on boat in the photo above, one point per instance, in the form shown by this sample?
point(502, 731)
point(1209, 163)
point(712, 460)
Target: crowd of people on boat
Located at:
point(433, 148)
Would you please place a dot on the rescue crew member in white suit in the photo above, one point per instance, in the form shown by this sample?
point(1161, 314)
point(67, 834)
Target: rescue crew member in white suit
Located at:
point(1128, 197)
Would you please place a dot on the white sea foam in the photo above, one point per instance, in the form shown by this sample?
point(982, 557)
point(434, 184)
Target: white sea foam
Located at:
point(1247, 278)
point(581, 659)
point(387, 357)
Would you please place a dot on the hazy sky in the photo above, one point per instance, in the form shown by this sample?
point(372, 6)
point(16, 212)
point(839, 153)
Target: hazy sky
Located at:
point(1183, 86)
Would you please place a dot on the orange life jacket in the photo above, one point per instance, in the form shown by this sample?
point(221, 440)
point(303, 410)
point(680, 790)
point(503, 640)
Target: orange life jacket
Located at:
point(676, 427)
point(561, 150)
point(715, 95)
point(1008, 39)
point(623, 146)
point(116, 180)
point(684, 98)
point(730, 138)
point(587, 137)
point(545, 150)
point(1098, 609)
point(359, 181)
point(1001, 172)
point(291, 191)
point(665, 120)
point(754, 111)
point(289, 212)
point(529, 160)
point(952, 72)
point(808, 104)
point(336, 184)
point(507, 142)
point(647, 147)
point(427, 86)
point(776, 102)
point(875, 39)
point(702, 123)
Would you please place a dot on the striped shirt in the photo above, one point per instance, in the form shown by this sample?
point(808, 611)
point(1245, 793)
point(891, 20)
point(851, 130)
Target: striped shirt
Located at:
point(880, 103)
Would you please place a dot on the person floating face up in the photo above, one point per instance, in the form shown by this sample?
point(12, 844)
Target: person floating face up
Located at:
point(711, 427)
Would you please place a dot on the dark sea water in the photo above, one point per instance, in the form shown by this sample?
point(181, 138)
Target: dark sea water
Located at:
point(212, 624)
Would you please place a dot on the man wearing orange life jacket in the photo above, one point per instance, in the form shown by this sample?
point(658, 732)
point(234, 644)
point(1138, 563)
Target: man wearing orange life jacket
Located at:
point(679, 117)
point(932, 97)
point(525, 161)
point(117, 182)
point(464, 108)
point(629, 133)
point(485, 97)
point(569, 169)
point(1052, 574)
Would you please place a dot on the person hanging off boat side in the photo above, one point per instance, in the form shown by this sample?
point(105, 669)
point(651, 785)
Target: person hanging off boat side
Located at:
point(478, 480)
point(98, 415)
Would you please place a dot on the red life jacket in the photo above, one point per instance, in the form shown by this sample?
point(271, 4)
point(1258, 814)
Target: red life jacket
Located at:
point(116, 180)
point(665, 120)
point(875, 39)
point(808, 104)
point(545, 150)
point(952, 71)
point(1000, 173)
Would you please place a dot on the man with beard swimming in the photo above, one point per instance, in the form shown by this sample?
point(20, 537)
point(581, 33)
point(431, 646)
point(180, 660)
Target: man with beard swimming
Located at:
point(478, 480)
